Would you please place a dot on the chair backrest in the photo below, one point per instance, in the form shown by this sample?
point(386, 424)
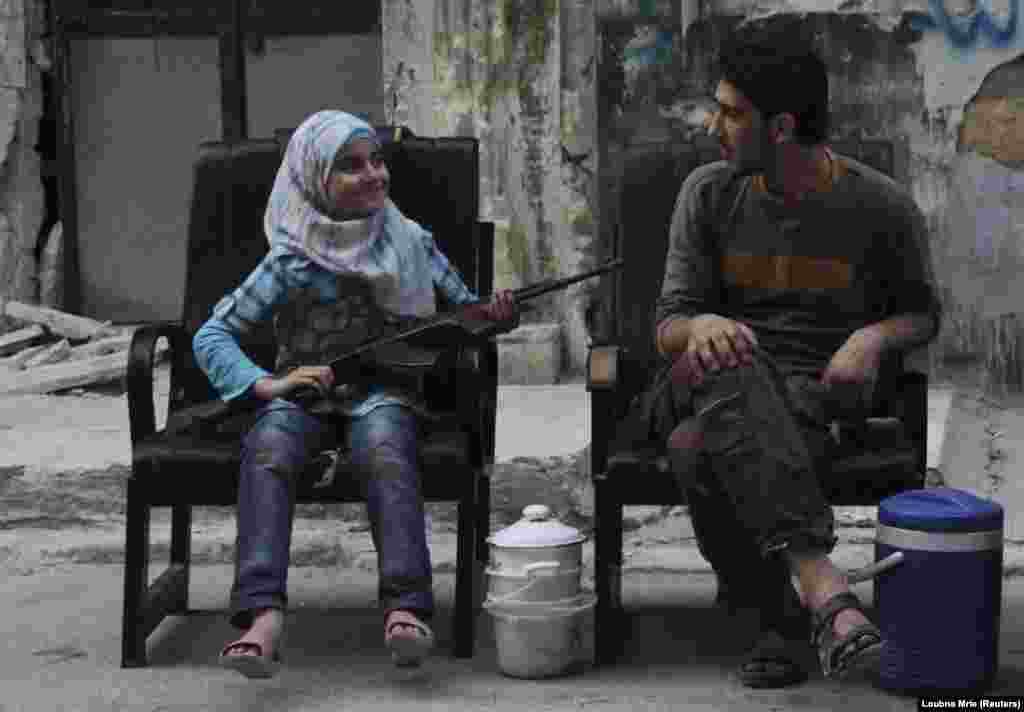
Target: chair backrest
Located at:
point(652, 175)
point(434, 181)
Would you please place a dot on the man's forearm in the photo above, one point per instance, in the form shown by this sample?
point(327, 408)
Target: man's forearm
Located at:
point(904, 332)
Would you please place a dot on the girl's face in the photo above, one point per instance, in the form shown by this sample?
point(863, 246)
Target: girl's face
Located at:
point(358, 182)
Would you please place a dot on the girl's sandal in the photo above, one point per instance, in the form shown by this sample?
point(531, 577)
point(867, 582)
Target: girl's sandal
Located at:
point(262, 665)
point(259, 666)
point(859, 650)
point(408, 648)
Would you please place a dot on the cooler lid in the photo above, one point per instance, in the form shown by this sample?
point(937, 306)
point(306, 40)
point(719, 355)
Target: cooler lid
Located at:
point(940, 509)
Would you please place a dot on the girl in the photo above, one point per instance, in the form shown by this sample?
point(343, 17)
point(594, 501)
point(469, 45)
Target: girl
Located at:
point(343, 264)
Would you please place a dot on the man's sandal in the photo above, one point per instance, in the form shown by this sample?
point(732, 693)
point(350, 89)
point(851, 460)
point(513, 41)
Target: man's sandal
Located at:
point(259, 666)
point(771, 664)
point(859, 650)
point(408, 648)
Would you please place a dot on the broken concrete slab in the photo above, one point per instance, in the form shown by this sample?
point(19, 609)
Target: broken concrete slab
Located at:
point(14, 341)
point(530, 355)
point(70, 325)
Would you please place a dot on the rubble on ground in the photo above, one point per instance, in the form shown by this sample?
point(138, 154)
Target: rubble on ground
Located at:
point(56, 351)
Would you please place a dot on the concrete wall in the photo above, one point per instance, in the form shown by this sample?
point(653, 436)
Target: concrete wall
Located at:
point(519, 75)
point(523, 75)
point(944, 81)
point(22, 59)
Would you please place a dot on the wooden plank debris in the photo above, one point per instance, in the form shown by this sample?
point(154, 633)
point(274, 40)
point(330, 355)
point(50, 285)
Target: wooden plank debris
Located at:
point(54, 353)
point(70, 326)
point(54, 367)
point(14, 341)
point(17, 361)
point(99, 347)
point(68, 374)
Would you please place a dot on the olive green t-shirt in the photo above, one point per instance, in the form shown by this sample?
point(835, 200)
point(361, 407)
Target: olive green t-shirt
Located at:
point(802, 277)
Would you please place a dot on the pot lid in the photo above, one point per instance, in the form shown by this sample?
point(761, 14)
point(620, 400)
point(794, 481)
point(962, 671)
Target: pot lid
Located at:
point(536, 529)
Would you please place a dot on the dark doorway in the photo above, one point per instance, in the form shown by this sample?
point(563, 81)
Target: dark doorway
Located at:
point(138, 84)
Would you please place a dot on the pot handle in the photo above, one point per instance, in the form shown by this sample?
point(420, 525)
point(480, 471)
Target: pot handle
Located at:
point(495, 603)
point(529, 569)
point(872, 570)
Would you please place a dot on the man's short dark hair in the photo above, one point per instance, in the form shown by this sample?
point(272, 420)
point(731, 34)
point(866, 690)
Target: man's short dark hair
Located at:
point(780, 78)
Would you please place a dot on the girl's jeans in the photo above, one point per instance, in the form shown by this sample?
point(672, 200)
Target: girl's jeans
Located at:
point(383, 455)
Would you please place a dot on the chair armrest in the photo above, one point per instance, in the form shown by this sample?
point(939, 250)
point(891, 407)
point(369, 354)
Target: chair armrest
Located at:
point(461, 391)
point(606, 376)
point(903, 411)
point(139, 375)
point(913, 399)
point(479, 405)
point(603, 368)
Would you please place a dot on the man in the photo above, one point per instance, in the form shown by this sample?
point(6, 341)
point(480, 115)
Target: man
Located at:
point(793, 276)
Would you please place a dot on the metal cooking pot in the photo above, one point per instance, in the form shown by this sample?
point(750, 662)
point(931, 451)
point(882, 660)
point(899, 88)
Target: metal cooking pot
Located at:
point(543, 583)
point(536, 544)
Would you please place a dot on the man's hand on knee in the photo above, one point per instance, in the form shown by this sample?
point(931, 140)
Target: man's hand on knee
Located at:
point(713, 343)
point(853, 371)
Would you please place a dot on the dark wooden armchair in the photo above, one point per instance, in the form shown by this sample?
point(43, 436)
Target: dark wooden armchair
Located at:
point(888, 451)
point(433, 181)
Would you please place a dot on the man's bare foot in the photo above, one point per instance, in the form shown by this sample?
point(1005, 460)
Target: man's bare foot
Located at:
point(817, 580)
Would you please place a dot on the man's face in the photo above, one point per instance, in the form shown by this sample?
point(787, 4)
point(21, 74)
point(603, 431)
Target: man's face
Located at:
point(740, 129)
point(358, 182)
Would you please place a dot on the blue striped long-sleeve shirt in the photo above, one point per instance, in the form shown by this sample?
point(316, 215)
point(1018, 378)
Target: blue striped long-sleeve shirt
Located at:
point(275, 281)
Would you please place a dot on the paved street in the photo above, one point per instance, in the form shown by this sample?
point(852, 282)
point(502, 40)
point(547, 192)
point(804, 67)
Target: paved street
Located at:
point(61, 546)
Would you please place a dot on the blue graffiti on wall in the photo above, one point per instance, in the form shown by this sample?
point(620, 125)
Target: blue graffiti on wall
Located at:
point(964, 31)
point(650, 46)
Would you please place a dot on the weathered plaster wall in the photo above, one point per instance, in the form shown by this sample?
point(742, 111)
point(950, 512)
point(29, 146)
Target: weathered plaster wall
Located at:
point(939, 79)
point(945, 82)
point(22, 59)
point(519, 75)
point(968, 58)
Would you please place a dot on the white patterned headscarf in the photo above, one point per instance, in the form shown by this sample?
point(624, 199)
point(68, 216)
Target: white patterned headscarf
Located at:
point(385, 248)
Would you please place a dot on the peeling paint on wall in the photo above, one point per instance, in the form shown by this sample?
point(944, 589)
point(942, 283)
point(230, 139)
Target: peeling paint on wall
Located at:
point(994, 120)
point(961, 43)
point(518, 75)
point(994, 127)
point(942, 92)
point(22, 203)
point(968, 24)
point(989, 204)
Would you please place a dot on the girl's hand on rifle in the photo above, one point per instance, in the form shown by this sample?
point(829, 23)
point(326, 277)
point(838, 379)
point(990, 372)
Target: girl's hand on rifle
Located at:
point(501, 308)
point(319, 377)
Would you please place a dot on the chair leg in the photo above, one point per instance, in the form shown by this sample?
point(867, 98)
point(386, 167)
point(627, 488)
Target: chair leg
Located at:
point(483, 530)
point(483, 518)
point(607, 574)
point(181, 551)
point(136, 572)
point(464, 617)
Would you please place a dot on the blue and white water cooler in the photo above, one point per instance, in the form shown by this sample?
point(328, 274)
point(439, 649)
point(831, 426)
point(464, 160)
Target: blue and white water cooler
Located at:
point(938, 608)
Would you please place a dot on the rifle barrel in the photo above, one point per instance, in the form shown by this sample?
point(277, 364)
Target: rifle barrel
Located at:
point(536, 290)
point(520, 295)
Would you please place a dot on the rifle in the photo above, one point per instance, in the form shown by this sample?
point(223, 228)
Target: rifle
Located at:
point(418, 348)
point(424, 339)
